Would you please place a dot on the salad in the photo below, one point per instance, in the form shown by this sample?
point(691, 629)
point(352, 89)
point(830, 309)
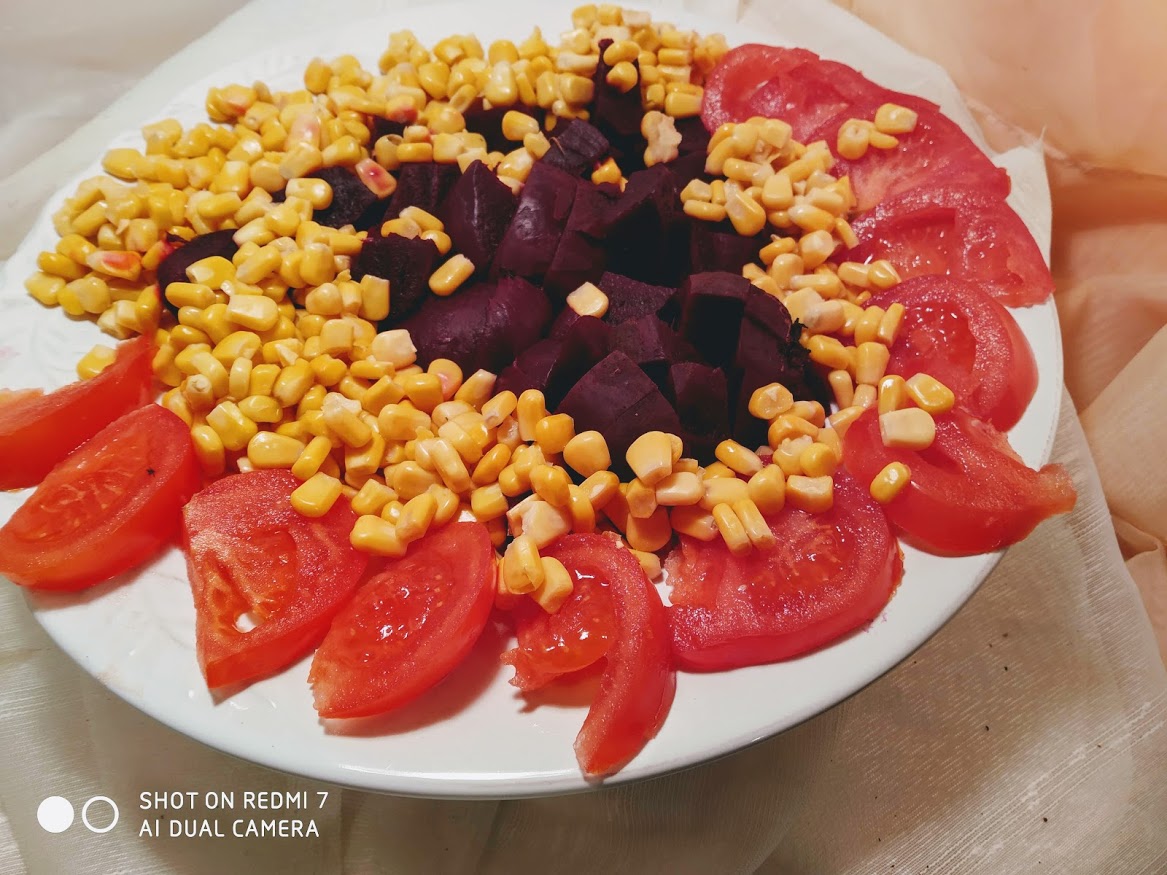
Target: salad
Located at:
point(631, 301)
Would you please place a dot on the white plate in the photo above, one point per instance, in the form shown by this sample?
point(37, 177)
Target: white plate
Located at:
point(474, 736)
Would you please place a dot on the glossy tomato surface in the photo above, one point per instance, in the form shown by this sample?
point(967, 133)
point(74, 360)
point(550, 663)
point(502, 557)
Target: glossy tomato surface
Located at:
point(958, 231)
point(37, 430)
point(574, 637)
point(106, 508)
point(829, 574)
point(638, 683)
point(267, 581)
point(409, 626)
point(968, 341)
point(969, 492)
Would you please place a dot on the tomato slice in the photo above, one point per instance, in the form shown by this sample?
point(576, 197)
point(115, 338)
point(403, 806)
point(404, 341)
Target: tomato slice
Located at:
point(255, 563)
point(638, 683)
point(574, 637)
point(966, 340)
point(829, 574)
point(791, 84)
point(969, 493)
point(937, 152)
point(409, 626)
point(105, 509)
point(959, 231)
point(37, 431)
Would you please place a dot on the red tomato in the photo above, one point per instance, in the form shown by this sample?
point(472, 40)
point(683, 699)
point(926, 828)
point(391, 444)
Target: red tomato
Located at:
point(574, 637)
point(37, 430)
point(253, 559)
point(937, 152)
point(794, 85)
point(960, 231)
point(105, 509)
point(829, 574)
point(409, 626)
point(966, 340)
point(969, 492)
point(637, 687)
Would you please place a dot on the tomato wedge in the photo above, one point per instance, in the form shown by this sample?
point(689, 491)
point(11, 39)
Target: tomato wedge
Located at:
point(105, 509)
point(638, 683)
point(969, 492)
point(574, 637)
point(966, 340)
point(255, 563)
point(829, 574)
point(959, 231)
point(37, 430)
point(409, 626)
point(791, 84)
point(937, 152)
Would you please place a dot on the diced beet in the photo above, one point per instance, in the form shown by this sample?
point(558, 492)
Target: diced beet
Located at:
point(531, 239)
point(482, 326)
point(700, 394)
point(694, 136)
point(652, 345)
point(712, 307)
point(686, 167)
point(422, 185)
point(383, 127)
point(631, 299)
point(618, 400)
point(555, 365)
point(576, 147)
point(476, 213)
point(563, 322)
point(406, 262)
point(578, 259)
point(647, 237)
point(592, 207)
point(720, 247)
point(352, 201)
point(488, 122)
point(172, 268)
point(765, 330)
point(618, 115)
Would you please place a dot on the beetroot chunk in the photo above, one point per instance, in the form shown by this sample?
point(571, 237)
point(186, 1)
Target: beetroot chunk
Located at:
point(532, 238)
point(646, 237)
point(765, 330)
point(701, 396)
point(172, 268)
point(719, 247)
point(652, 345)
point(576, 147)
point(630, 299)
point(617, 114)
point(406, 262)
point(488, 122)
point(422, 185)
point(352, 201)
point(711, 315)
point(477, 212)
point(618, 400)
point(482, 326)
point(555, 364)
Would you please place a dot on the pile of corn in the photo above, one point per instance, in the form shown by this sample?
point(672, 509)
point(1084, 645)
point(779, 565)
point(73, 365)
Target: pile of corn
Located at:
point(275, 359)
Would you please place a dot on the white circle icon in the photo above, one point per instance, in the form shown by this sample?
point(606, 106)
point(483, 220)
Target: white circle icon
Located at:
point(55, 814)
point(85, 815)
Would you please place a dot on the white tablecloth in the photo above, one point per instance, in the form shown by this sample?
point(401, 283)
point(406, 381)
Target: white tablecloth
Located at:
point(1026, 736)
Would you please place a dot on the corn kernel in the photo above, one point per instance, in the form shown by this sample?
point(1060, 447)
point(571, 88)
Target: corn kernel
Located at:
point(812, 494)
point(651, 457)
point(930, 394)
point(522, 566)
point(738, 458)
point(732, 530)
point(890, 482)
point(767, 489)
point(312, 458)
point(556, 586)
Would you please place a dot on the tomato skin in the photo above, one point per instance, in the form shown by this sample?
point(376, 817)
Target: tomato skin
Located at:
point(638, 683)
point(38, 431)
point(105, 509)
point(969, 492)
point(966, 340)
point(249, 552)
point(829, 574)
point(409, 626)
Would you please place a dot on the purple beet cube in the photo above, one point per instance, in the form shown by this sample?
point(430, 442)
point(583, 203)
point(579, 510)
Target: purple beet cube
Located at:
point(694, 136)
point(631, 299)
point(578, 259)
point(353, 203)
point(617, 399)
point(532, 238)
point(700, 394)
point(652, 345)
point(720, 247)
point(567, 317)
point(172, 268)
point(555, 365)
point(476, 213)
point(711, 313)
point(765, 331)
point(422, 185)
point(576, 147)
point(406, 262)
point(647, 233)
